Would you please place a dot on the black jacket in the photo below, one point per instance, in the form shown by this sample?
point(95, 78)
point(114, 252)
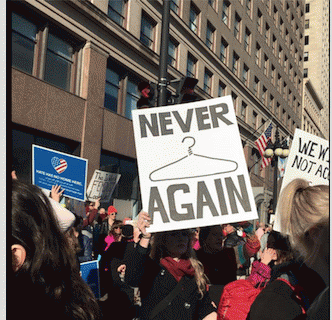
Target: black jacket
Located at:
point(155, 283)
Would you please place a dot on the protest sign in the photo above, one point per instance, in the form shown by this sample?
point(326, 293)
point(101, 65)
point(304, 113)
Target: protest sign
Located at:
point(191, 164)
point(309, 159)
point(50, 167)
point(102, 185)
point(90, 274)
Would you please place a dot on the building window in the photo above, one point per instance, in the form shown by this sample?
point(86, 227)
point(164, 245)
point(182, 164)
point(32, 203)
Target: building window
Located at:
point(223, 50)
point(275, 15)
point(243, 111)
point(285, 91)
point(207, 81)
point(131, 98)
point(285, 63)
point(210, 35)
point(274, 45)
point(283, 115)
point(286, 36)
point(193, 18)
point(247, 37)
point(222, 89)
point(305, 73)
point(191, 66)
point(306, 24)
point(280, 55)
point(212, 3)
point(273, 74)
point(60, 64)
point(259, 21)
point(264, 95)
point(175, 6)
point(147, 30)
point(237, 27)
point(279, 83)
point(112, 88)
point(248, 7)
point(290, 97)
point(266, 65)
point(271, 102)
point(258, 54)
point(172, 52)
point(254, 119)
point(256, 84)
point(24, 35)
point(225, 12)
point(245, 75)
point(267, 33)
point(235, 64)
point(281, 26)
point(277, 113)
point(306, 56)
point(116, 11)
point(235, 100)
point(307, 7)
point(306, 40)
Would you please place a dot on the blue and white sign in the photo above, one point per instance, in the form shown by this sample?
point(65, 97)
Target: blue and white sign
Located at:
point(50, 167)
point(90, 274)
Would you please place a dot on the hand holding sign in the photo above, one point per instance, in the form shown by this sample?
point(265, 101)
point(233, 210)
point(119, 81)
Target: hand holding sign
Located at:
point(142, 224)
point(56, 193)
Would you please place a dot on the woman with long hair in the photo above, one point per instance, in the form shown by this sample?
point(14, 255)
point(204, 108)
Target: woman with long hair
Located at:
point(171, 280)
point(45, 280)
point(304, 216)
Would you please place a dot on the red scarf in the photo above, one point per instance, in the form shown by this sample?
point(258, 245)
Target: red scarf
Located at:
point(178, 269)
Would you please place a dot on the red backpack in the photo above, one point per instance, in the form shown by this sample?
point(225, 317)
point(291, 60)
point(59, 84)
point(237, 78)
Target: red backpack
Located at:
point(236, 299)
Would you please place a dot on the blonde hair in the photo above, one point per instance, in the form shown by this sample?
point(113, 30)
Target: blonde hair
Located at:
point(159, 251)
point(301, 208)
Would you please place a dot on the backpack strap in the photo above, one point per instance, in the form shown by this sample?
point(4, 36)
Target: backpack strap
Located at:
point(167, 300)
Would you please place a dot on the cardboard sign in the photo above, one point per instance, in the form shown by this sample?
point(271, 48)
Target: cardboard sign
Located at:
point(309, 159)
point(102, 185)
point(50, 167)
point(90, 274)
point(191, 164)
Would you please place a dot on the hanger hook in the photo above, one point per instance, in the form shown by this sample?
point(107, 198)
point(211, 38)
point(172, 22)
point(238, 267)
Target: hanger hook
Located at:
point(190, 138)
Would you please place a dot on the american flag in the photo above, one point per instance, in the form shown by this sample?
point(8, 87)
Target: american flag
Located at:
point(60, 165)
point(261, 144)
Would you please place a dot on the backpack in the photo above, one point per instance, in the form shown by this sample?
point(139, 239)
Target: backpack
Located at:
point(237, 298)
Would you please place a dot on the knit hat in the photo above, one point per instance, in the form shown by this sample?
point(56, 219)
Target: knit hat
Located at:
point(278, 241)
point(111, 209)
point(252, 245)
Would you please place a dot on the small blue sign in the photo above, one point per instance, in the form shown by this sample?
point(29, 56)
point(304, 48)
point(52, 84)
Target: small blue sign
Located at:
point(51, 168)
point(90, 274)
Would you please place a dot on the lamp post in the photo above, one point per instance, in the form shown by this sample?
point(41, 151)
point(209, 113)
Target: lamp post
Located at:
point(274, 151)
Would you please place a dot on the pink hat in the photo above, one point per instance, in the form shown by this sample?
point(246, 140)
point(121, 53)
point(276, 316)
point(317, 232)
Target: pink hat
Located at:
point(111, 209)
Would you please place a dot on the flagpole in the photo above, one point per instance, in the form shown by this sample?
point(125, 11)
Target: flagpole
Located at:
point(252, 135)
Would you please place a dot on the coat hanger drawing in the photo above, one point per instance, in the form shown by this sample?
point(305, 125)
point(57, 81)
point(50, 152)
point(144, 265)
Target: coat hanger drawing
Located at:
point(186, 167)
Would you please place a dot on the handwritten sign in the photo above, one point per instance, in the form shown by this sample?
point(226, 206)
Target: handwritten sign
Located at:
point(50, 167)
point(102, 185)
point(191, 165)
point(309, 159)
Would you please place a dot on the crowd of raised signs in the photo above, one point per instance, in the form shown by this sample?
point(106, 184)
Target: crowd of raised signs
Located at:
point(230, 271)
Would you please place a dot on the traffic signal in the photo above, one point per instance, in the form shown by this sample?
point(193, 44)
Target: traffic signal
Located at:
point(185, 90)
point(148, 91)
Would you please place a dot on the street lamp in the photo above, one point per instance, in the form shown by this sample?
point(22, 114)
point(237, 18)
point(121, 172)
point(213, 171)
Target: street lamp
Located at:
point(274, 151)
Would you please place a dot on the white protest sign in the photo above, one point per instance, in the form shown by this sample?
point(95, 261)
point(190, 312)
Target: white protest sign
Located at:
point(309, 159)
point(191, 164)
point(102, 185)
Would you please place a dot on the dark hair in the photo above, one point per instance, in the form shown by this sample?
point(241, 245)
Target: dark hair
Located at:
point(49, 272)
point(281, 244)
point(116, 224)
point(204, 233)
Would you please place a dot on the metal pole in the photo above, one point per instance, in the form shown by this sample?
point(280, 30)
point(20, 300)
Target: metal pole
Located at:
point(275, 184)
point(164, 54)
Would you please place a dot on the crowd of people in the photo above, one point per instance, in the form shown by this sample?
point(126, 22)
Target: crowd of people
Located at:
point(229, 271)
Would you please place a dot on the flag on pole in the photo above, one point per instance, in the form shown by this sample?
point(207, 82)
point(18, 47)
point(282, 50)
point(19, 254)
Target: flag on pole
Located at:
point(261, 144)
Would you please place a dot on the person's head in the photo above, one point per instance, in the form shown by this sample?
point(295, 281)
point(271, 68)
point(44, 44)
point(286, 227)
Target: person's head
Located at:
point(116, 229)
point(177, 244)
point(102, 211)
point(43, 262)
point(304, 215)
point(210, 238)
point(227, 229)
point(112, 212)
point(280, 243)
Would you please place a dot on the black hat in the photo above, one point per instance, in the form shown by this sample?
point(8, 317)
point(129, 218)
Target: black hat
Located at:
point(278, 241)
point(128, 231)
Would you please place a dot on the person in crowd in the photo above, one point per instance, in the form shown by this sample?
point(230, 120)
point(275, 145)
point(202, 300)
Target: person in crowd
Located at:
point(196, 244)
point(86, 235)
point(102, 215)
point(172, 281)
point(244, 242)
point(108, 222)
point(219, 263)
point(263, 240)
point(45, 278)
point(260, 230)
point(115, 234)
point(304, 215)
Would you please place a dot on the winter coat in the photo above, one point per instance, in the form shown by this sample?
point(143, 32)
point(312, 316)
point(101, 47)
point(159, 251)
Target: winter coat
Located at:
point(155, 283)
